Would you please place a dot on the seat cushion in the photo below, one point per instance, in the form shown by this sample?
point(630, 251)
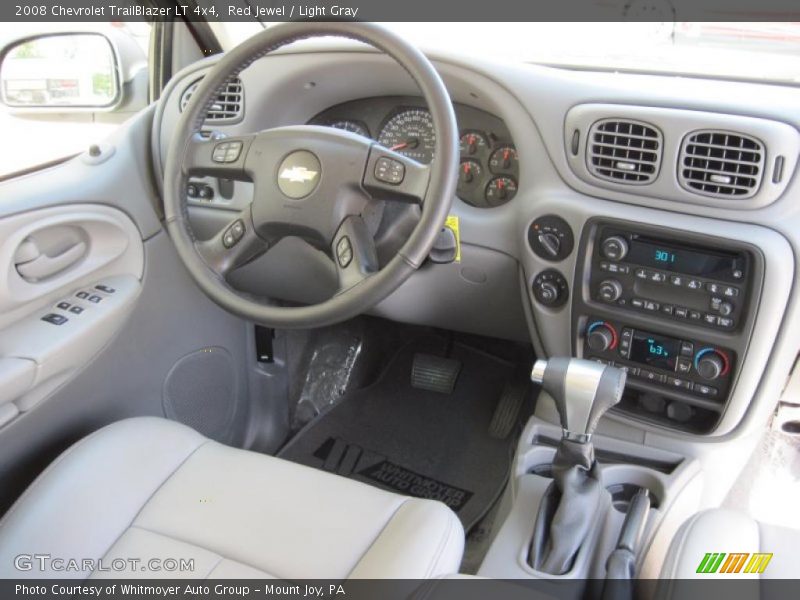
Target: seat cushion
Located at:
point(148, 488)
point(729, 531)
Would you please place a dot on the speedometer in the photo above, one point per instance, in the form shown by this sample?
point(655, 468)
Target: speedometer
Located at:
point(411, 133)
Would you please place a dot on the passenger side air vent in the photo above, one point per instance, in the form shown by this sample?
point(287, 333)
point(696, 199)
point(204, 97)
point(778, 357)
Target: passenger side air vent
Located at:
point(624, 151)
point(721, 164)
point(229, 103)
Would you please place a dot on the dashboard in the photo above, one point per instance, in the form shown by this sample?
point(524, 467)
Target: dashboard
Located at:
point(488, 173)
point(694, 179)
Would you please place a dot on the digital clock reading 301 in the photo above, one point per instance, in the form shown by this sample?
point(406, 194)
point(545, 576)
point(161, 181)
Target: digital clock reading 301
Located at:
point(664, 256)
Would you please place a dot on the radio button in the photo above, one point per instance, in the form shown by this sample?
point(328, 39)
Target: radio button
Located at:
point(615, 247)
point(725, 309)
point(710, 319)
point(641, 273)
point(681, 312)
point(730, 291)
point(677, 382)
point(668, 309)
point(683, 365)
point(694, 284)
point(676, 280)
point(651, 306)
point(637, 303)
point(705, 390)
point(726, 322)
point(695, 315)
point(657, 277)
point(714, 288)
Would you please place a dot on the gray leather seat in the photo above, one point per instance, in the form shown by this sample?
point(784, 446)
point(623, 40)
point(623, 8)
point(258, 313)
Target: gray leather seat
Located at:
point(723, 530)
point(148, 488)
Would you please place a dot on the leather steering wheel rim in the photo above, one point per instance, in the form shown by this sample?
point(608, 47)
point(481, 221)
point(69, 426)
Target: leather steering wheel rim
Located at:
point(434, 209)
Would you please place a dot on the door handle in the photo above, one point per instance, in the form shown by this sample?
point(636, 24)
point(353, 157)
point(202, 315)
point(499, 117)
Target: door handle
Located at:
point(43, 266)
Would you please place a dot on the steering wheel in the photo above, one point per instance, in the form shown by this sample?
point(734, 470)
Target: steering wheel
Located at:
point(312, 182)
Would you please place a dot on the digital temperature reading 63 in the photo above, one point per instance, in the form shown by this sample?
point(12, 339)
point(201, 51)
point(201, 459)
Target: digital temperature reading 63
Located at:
point(657, 349)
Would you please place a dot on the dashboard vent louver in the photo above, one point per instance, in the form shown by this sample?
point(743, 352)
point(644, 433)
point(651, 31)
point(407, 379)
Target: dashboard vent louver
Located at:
point(624, 151)
point(721, 164)
point(228, 105)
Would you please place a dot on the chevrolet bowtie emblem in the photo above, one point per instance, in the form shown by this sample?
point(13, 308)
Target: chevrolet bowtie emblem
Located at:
point(298, 174)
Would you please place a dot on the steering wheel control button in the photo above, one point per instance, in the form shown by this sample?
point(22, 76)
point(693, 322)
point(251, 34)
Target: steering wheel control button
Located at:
point(233, 234)
point(227, 152)
point(389, 170)
point(299, 174)
point(55, 319)
point(344, 252)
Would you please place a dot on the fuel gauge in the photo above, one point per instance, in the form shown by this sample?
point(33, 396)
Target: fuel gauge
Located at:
point(469, 176)
point(504, 160)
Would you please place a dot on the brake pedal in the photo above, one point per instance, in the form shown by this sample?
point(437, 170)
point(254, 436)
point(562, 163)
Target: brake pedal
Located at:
point(507, 410)
point(434, 373)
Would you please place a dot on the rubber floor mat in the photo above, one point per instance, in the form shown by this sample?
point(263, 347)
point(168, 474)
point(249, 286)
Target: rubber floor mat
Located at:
point(417, 442)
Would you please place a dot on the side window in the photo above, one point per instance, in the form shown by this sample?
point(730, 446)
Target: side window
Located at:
point(63, 89)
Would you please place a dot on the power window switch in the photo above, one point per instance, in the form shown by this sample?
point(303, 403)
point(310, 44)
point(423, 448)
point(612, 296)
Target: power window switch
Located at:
point(105, 288)
point(95, 299)
point(76, 310)
point(55, 319)
point(63, 305)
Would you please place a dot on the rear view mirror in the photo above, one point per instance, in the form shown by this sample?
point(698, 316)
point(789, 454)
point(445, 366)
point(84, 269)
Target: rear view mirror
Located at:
point(60, 71)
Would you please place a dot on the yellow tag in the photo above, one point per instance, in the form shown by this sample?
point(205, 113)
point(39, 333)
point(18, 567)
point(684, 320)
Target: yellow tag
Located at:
point(452, 224)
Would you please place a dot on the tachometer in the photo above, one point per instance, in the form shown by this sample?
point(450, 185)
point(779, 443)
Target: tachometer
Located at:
point(351, 126)
point(410, 133)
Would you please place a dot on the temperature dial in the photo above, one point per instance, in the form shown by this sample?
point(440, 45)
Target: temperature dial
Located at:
point(469, 175)
point(601, 336)
point(710, 363)
point(499, 190)
point(504, 160)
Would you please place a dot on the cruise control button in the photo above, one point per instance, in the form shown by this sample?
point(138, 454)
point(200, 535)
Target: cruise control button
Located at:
point(55, 319)
point(389, 170)
point(233, 234)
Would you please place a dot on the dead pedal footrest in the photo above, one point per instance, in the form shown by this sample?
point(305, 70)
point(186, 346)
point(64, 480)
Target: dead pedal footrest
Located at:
point(434, 373)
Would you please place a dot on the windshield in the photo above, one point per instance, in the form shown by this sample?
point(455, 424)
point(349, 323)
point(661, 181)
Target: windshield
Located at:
point(763, 51)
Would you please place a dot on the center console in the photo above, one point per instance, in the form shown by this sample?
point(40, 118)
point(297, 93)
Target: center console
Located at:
point(674, 309)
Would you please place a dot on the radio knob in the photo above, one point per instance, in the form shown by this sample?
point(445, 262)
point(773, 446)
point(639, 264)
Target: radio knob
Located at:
point(601, 337)
point(710, 365)
point(610, 290)
point(725, 309)
point(614, 247)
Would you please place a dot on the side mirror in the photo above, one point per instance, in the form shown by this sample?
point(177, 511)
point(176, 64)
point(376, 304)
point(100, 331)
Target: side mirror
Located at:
point(60, 71)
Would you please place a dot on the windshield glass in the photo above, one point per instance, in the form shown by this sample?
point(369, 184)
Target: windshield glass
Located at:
point(763, 51)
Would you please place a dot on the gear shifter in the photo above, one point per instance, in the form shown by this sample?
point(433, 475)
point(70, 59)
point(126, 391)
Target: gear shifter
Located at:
point(583, 391)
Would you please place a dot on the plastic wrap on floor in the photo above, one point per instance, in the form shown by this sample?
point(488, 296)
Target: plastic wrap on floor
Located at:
point(330, 370)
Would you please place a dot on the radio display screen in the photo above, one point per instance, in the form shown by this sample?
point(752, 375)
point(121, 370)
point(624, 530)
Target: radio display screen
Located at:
point(657, 351)
point(681, 259)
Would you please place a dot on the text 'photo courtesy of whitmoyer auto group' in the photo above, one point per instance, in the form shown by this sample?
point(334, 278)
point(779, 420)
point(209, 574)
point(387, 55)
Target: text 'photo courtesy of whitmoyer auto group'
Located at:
point(400, 300)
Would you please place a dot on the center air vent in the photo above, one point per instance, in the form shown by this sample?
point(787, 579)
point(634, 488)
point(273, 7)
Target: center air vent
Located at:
point(721, 164)
point(228, 105)
point(624, 151)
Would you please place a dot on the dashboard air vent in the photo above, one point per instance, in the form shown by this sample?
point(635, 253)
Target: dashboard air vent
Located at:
point(624, 151)
point(721, 164)
point(229, 103)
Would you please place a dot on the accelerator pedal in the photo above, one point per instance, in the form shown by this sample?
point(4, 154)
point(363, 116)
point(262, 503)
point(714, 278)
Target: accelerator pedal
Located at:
point(507, 411)
point(434, 373)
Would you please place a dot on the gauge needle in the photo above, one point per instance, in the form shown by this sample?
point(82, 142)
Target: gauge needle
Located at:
point(397, 147)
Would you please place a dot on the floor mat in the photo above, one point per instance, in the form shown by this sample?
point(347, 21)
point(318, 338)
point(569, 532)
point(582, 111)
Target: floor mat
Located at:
point(417, 442)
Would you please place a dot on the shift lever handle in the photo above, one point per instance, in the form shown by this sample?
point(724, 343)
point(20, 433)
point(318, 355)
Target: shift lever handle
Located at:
point(583, 391)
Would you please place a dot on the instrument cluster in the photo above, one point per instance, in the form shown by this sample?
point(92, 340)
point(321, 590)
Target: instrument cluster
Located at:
point(489, 167)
